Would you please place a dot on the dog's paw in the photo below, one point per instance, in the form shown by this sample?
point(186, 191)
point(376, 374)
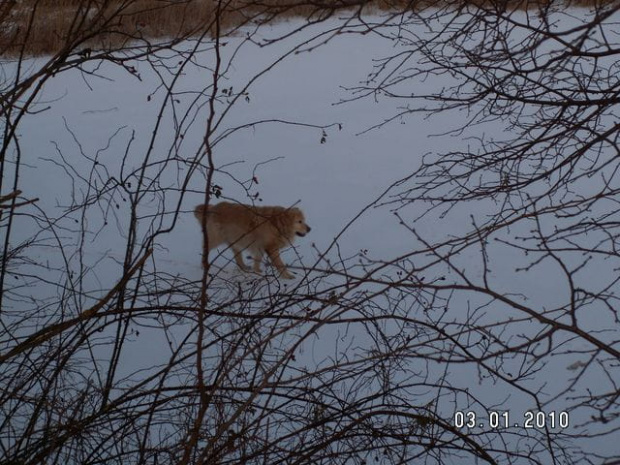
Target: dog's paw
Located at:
point(287, 275)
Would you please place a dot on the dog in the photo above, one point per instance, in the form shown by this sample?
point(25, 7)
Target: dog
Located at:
point(259, 229)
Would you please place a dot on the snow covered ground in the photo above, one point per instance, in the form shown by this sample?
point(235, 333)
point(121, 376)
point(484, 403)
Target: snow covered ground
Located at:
point(113, 116)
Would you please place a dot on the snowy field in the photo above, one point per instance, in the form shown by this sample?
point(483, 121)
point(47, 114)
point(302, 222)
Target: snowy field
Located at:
point(98, 128)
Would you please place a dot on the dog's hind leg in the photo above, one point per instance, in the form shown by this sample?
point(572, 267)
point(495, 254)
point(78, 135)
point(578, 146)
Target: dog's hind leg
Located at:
point(239, 259)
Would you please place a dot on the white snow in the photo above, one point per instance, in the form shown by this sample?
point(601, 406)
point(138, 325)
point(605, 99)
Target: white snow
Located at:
point(333, 181)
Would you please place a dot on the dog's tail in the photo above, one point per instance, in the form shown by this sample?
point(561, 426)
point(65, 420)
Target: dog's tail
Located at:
point(199, 211)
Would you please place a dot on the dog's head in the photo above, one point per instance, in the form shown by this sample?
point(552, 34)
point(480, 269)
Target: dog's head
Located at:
point(299, 222)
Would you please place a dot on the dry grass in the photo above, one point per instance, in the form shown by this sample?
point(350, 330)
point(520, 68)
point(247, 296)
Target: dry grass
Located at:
point(36, 27)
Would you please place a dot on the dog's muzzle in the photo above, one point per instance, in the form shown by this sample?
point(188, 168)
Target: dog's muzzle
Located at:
point(302, 234)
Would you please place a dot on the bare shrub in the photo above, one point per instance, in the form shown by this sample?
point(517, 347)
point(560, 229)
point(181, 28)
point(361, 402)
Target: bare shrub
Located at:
point(364, 358)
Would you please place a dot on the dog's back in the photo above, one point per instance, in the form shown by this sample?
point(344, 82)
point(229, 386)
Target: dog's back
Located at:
point(228, 223)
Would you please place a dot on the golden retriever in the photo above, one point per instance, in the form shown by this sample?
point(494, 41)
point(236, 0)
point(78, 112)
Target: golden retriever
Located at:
point(259, 229)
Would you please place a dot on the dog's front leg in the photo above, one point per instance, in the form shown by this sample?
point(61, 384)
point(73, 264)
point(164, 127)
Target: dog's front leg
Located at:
point(274, 256)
